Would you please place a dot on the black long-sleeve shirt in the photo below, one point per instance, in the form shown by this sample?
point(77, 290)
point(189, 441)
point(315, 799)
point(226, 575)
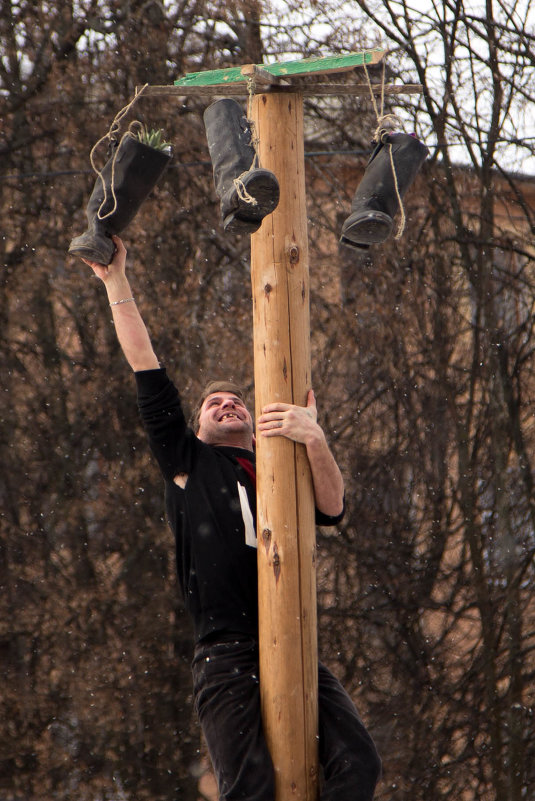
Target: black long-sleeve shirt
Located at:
point(212, 515)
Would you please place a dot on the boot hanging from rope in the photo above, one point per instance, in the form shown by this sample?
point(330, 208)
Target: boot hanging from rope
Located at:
point(247, 192)
point(389, 173)
point(133, 169)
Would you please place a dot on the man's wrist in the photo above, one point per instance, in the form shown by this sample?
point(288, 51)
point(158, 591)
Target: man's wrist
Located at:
point(118, 290)
point(316, 439)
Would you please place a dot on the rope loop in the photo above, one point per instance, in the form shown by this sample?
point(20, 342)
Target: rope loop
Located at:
point(385, 125)
point(113, 144)
point(255, 140)
point(243, 194)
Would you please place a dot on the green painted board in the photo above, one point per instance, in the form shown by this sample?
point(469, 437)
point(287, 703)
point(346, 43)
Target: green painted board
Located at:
point(283, 69)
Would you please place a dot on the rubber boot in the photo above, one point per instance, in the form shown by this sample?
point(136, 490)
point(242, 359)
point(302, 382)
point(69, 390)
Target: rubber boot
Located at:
point(375, 203)
point(136, 169)
point(247, 193)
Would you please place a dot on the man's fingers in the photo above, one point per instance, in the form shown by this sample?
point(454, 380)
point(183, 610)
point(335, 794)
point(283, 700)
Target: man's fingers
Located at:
point(284, 407)
point(265, 424)
point(266, 417)
point(275, 407)
point(92, 264)
point(119, 245)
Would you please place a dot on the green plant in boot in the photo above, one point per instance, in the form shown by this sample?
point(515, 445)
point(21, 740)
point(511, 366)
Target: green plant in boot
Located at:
point(152, 138)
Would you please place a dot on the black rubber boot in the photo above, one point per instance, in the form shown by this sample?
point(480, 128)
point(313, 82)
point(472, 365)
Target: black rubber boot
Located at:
point(375, 203)
point(135, 169)
point(247, 193)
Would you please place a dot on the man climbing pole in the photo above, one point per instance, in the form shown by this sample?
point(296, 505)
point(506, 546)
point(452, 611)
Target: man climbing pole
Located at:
point(209, 475)
point(209, 467)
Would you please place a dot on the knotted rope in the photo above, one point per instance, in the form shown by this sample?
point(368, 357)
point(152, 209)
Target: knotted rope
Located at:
point(243, 194)
point(381, 135)
point(255, 140)
point(111, 136)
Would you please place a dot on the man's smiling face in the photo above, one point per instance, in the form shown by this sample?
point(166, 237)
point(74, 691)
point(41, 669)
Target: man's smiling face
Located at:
point(225, 420)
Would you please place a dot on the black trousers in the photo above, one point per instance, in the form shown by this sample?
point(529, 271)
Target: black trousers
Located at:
point(227, 701)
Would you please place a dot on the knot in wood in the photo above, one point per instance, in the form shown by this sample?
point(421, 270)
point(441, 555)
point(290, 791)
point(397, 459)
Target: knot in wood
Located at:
point(293, 254)
point(276, 564)
point(266, 538)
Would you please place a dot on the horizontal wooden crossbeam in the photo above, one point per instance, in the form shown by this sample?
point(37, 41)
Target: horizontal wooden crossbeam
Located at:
point(306, 89)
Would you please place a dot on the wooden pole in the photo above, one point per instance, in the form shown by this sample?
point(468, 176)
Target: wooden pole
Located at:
point(285, 521)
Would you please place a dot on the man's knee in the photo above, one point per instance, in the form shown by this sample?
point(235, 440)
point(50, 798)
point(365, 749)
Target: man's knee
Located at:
point(255, 782)
point(375, 767)
point(365, 769)
point(353, 775)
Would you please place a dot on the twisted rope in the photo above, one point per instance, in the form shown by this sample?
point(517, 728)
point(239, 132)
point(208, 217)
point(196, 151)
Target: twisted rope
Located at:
point(111, 136)
point(243, 194)
point(385, 122)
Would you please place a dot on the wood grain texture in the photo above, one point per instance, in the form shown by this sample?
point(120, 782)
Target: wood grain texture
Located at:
point(285, 524)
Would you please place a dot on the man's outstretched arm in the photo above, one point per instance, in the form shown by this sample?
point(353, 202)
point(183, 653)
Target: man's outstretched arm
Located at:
point(131, 330)
point(299, 423)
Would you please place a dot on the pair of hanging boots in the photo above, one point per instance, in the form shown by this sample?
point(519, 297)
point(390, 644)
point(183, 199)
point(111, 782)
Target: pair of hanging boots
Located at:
point(247, 192)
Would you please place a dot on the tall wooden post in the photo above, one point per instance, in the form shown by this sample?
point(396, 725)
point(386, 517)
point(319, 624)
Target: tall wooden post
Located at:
point(285, 521)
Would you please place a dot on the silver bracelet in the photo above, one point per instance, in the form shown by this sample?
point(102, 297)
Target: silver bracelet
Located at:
point(126, 300)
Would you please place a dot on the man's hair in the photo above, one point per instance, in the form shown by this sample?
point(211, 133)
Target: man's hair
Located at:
point(209, 389)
